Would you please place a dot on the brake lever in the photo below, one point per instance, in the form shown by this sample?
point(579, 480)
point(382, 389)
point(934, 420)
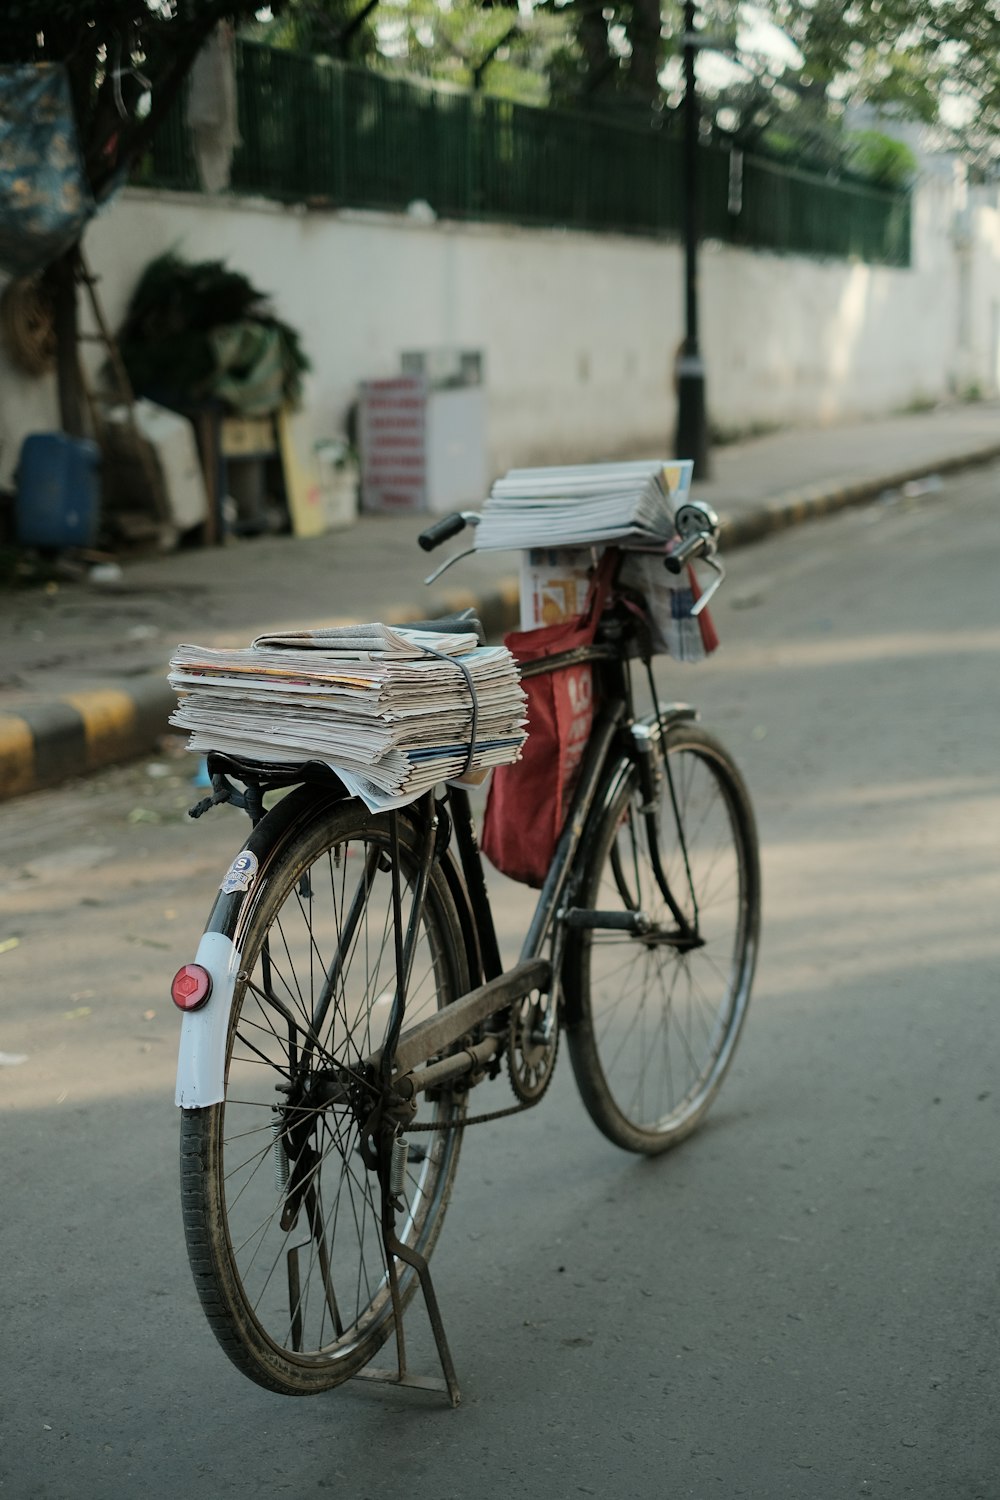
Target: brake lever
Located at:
point(713, 588)
point(443, 567)
point(471, 518)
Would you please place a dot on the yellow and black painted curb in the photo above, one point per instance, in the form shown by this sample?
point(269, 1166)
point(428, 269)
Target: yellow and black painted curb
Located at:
point(47, 742)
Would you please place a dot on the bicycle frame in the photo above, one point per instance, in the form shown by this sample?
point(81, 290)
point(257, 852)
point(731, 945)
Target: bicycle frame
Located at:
point(533, 972)
point(416, 1046)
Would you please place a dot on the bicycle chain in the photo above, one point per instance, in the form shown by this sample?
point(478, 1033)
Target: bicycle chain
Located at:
point(496, 1114)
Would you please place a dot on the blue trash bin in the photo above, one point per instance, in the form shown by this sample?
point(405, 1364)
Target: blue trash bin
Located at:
point(58, 491)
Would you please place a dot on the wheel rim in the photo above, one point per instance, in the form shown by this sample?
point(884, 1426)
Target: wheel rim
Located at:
point(318, 1288)
point(664, 1020)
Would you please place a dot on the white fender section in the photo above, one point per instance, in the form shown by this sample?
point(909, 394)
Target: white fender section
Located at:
point(201, 1065)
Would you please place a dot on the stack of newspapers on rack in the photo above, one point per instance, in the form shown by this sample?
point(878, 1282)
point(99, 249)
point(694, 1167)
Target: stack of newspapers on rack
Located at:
point(392, 710)
point(630, 504)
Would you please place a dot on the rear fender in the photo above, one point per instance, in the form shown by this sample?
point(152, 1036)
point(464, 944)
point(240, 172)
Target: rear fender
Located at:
point(201, 1061)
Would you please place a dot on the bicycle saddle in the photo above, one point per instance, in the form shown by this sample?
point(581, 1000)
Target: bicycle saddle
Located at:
point(465, 621)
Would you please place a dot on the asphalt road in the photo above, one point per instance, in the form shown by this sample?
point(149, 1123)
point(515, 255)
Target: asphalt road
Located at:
point(800, 1302)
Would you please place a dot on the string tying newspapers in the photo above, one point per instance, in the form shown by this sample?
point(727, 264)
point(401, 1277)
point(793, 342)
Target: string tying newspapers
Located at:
point(392, 711)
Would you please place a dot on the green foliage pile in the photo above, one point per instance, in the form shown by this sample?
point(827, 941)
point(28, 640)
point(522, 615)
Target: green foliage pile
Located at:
point(194, 331)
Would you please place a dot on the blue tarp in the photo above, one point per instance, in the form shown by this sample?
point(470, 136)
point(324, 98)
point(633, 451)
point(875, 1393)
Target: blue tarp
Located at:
point(44, 197)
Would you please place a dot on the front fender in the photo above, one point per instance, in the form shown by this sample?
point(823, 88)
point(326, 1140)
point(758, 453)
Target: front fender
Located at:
point(201, 1062)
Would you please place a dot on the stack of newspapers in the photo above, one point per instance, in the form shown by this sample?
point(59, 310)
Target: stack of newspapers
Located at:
point(392, 710)
point(629, 504)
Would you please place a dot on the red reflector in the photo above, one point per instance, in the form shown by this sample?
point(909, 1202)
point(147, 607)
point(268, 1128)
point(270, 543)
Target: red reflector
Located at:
point(191, 987)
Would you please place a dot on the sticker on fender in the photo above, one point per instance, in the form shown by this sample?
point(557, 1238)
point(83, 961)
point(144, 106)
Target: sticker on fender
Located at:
point(240, 873)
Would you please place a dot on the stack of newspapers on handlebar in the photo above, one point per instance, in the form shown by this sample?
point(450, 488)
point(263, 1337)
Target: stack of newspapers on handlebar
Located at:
point(630, 504)
point(392, 710)
point(560, 517)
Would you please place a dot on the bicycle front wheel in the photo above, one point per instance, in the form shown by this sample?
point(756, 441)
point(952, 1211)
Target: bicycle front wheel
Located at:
point(281, 1213)
point(653, 1019)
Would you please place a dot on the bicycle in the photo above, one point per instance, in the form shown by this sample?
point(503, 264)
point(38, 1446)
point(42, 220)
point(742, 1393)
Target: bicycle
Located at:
point(348, 996)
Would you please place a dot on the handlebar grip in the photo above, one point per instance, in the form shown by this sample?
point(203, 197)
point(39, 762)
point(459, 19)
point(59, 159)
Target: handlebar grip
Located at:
point(448, 526)
point(691, 546)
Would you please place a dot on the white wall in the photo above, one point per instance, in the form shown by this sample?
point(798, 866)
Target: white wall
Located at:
point(579, 331)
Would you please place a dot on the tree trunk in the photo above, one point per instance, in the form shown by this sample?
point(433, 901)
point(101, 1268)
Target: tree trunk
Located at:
point(593, 34)
point(644, 30)
point(61, 277)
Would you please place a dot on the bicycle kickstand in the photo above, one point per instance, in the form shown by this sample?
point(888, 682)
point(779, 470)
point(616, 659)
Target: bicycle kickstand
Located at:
point(389, 1155)
point(396, 1250)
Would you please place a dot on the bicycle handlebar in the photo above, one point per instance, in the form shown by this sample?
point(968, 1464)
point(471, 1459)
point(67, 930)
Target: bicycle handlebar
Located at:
point(698, 528)
point(442, 531)
point(701, 544)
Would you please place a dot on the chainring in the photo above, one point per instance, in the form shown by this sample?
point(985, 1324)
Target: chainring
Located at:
point(531, 1057)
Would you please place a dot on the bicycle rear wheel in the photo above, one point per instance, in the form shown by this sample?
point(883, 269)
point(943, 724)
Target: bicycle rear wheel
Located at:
point(652, 1022)
point(282, 1216)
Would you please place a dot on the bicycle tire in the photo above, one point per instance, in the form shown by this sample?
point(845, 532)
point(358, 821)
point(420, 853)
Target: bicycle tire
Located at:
point(311, 1323)
point(651, 1029)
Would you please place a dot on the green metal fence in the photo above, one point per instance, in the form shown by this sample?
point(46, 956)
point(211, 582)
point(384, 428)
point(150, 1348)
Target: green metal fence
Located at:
point(322, 132)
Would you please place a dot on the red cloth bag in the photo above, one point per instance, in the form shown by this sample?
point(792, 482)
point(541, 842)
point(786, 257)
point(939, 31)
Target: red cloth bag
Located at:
point(527, 801)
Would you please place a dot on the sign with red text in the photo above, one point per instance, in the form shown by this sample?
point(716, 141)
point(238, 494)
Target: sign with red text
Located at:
point(393, 437)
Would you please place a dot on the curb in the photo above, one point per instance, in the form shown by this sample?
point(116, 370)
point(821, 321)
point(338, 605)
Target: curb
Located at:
point(52, 741)
point(796, 506)
point(45, 743)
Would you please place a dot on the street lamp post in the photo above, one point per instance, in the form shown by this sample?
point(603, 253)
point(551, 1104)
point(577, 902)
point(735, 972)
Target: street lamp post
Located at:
point(692, 428)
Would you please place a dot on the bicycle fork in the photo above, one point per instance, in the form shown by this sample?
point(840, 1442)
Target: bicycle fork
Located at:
point(649, 756)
